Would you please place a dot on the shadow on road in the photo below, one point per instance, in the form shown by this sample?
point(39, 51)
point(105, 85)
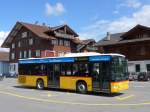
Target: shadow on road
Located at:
point(71, 91)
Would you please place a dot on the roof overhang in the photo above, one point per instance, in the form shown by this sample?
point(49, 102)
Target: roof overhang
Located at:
point(11, 35)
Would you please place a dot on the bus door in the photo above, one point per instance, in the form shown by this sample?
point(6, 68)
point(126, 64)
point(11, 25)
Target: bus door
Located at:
point(104, 76)
point(95, 73)
point(53, 75)
point(100, 76)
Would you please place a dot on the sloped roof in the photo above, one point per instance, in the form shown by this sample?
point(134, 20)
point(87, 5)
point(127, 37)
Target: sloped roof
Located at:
point(38, 30)
point(114, 39)
point(84, 43)
point(120, 38)
point(134, 29)
point(64, 25)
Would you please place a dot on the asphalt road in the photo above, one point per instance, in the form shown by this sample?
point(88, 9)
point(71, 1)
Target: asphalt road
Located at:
point(15, 98)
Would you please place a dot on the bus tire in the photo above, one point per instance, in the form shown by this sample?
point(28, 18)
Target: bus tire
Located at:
point(81, 87)
point(40, 84)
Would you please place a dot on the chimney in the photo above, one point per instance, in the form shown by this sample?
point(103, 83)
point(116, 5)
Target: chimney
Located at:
point(108, 36)
point(43, 24)
point(36, 22)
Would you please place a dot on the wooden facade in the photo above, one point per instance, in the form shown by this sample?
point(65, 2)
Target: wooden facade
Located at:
point(134, 44)
point(34, 41)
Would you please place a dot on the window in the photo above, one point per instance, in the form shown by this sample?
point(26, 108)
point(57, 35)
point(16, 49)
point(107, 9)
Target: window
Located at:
point(32, 69)
point(24, 34)
point(54, 42)
point(137, 67)
point(13, 45)
point(66, 69)
point(139, 36)
point(148, 67)
point(118, 69)
point(60, 42)
point(80, 69)
point(37, 53)
point(66, 43)
point(20, 54)
point(25, 54)
point(31, 41)
point(29, 55)
point(60, 53)
point(66, 52)
point(19, 44)
point(12, 55)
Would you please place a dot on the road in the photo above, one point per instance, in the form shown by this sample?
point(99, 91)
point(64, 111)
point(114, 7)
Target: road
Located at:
point(15, 98)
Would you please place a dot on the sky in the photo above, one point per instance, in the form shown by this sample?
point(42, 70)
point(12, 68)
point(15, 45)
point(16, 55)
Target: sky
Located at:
point(89, 18)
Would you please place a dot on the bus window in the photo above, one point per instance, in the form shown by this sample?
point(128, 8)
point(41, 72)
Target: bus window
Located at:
point(119, 69)
point(75, 69)
point(66, 69)
point(95, 71)
point(82, 69)
point(62, 69)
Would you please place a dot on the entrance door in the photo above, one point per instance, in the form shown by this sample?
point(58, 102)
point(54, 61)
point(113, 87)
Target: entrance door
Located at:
point(53, 75)
point(95, 72)
point(104, 76)
point(100, 76)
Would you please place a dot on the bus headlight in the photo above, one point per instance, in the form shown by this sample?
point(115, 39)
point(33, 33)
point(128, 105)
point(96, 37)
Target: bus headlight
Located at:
point(115, 87)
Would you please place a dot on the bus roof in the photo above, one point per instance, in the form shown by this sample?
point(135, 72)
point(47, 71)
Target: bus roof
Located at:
point(71, 58)
point(81, 55)
point(91, 54)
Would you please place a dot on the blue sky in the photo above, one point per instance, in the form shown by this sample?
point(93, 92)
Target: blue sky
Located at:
point(89, 18)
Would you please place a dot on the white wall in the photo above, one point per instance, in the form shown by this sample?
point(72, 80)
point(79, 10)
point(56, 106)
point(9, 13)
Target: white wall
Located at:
point(131, 65)
point(4, 67)
point(13, 70)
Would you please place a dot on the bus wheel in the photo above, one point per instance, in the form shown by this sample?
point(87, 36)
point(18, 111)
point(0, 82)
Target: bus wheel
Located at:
point(81, 87)
point(40, 84)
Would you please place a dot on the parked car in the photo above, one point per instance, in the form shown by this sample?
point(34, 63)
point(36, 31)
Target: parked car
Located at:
point(133, 76)
point(143, 76)
point(1, 76)
point(10, 75)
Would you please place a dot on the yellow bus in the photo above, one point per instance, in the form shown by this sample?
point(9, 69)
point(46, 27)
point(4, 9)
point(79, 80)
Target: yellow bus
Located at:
point(81, 72)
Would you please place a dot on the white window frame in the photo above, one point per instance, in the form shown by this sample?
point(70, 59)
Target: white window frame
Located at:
point(13, 45)
point(38, 53)
point(12, 55)
point(54, 42)
point(60, 53)
point(60, 42)
point(20, 54)
point(30, 54)
point(19, 44)
point(31, 41)
point(24, 35)
point(67, 43)
point(25, 54)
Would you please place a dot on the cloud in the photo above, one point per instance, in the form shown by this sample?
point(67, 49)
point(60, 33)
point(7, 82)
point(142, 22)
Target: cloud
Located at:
point(3, 36)
point(98, 28)
point(116, 12)
point(131, 3)
point(55, 10)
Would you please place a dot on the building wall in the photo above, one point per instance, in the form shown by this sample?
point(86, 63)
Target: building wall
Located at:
point(136, 53)
point(38, 44)
point(4, 67)
point(133, 51)
point(143, 67)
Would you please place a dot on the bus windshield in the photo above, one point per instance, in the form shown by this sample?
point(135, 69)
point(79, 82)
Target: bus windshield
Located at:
point(119, 69)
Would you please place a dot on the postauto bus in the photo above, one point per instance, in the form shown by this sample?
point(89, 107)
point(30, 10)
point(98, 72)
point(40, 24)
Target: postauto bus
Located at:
point(81, 72)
